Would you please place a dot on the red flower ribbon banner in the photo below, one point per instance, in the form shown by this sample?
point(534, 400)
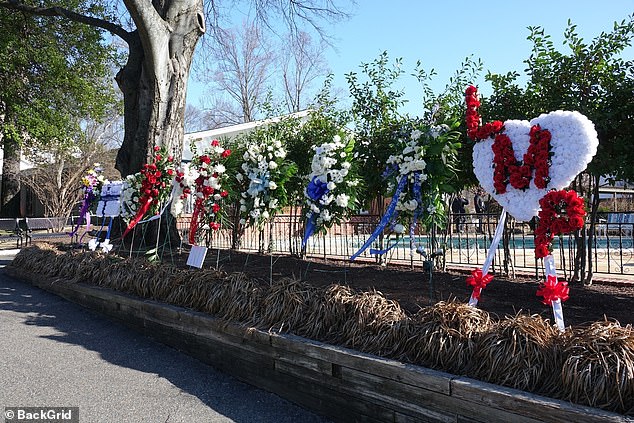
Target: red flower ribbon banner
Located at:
point(507, 169)
point(144, 206)
point(206, 188)
point(193, 224)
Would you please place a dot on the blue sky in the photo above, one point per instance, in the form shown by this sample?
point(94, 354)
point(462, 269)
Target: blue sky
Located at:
point(442, 33)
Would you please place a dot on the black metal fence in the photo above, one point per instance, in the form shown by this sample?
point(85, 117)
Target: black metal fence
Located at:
point(465, 242)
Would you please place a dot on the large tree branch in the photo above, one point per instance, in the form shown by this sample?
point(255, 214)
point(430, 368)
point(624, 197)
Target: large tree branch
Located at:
point(69, 14)
point(153, 30)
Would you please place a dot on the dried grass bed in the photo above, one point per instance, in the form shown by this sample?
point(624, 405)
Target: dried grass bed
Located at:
point(590, 365)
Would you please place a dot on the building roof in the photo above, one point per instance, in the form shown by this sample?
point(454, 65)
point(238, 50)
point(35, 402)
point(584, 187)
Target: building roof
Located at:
point(207, 136)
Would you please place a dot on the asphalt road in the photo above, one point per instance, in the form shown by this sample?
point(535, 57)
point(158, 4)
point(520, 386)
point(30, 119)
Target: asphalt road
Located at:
point(55, 354)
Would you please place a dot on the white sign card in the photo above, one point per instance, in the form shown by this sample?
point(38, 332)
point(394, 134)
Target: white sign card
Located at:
point(197, 256)
point(110, 199)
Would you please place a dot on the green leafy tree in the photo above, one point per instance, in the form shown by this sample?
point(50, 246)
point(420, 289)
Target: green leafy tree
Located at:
point(591, 78)
point(323, 122)
point(447, 108)
point(376, 117)
point(52, 74)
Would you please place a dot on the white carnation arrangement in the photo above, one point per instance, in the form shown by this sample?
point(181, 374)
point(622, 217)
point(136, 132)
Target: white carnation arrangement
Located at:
point(416, 177)
point(411, 164)
point(424, 147)
point(130, 196)
point(574, 142)
point(331, 194)
point(262, 176)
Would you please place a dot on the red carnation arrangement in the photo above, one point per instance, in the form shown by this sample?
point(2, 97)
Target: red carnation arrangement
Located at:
point(538, 155)
point(156, 186)
point(472, 116)
point(519, 174)
point(207, 188)
point(562, 212)
point(507, 169)
point(474, 130)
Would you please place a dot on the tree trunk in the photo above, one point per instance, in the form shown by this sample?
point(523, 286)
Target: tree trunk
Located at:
point(154, 83)
point(579, 263)
point(508, 267)
point(154, 79)
point(10, 202)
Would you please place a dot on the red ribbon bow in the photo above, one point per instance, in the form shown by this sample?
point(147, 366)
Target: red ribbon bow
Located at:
point(478, 281)
point(553, 290)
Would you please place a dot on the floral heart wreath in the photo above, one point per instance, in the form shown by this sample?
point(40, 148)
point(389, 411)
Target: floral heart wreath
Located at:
point(561, 212)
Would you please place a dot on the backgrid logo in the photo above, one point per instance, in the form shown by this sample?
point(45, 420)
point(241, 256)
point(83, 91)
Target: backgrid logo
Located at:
point(41, 414)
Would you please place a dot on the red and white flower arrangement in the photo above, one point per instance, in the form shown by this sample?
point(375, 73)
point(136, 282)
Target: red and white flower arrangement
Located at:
point(522, 164)
point(203, 178)
point(149, 190)
point(518, 162)
point(507, 168)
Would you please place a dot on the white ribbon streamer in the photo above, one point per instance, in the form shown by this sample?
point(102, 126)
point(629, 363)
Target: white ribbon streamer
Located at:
point(491, 253)
point(558, 313)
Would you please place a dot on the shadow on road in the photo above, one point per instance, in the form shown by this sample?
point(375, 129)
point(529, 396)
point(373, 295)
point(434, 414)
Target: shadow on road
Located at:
point(123, 347)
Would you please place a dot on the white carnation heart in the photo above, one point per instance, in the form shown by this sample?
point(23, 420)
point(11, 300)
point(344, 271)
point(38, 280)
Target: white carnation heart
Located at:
point(573, 143)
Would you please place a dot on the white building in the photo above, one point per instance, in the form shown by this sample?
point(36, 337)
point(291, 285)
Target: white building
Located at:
point(206, 137)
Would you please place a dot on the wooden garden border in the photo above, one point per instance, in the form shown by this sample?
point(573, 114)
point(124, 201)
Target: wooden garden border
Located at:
point(342, 384)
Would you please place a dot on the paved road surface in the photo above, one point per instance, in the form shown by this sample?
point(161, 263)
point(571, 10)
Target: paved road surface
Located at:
point(54, 353)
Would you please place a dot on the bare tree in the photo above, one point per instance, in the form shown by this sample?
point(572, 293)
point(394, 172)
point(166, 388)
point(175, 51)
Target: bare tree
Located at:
point(109, 131)
point(195, 119)
point(57, 180)
point(223, 112)
point(241, 66)
point(302, 62)
point(160, 51)
point(60, 166)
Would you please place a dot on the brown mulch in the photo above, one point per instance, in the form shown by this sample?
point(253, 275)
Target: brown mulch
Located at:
point(411, 288)
point(593, 364)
